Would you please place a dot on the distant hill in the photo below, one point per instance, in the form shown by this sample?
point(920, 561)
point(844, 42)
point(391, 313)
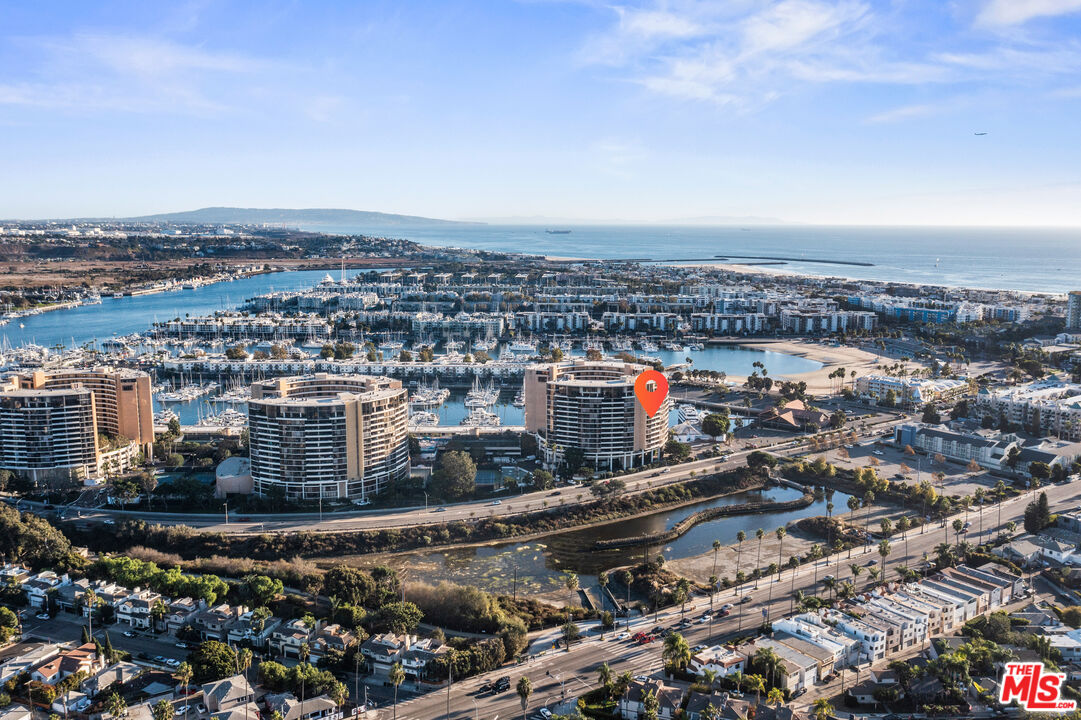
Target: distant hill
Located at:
point(306, 216)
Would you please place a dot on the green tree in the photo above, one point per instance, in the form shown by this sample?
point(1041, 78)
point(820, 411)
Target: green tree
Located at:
point(212, 660)
point(455, 475)
point(397, 617)
point(716, 425)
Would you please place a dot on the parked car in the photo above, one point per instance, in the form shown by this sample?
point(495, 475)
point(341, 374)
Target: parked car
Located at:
point(129, 633)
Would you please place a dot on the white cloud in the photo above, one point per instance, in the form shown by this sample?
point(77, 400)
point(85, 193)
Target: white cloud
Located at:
point(743, 55)
point(905, 112)
point(131, 74)
point(791, 24)
point(1015, 12)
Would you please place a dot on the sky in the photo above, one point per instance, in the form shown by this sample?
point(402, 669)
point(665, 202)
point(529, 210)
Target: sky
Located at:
point(812, 111)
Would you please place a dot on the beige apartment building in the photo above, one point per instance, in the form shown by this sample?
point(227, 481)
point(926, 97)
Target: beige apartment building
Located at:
point(328, 436)
point(591, 406)
point(74, 424)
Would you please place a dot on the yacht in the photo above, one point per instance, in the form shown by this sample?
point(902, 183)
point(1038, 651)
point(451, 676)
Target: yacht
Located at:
point(523, 346)
point(479, 417)
point(426, 396)
point(481, 397)
point(424, 418)
point(648, 346)
point(689, 413)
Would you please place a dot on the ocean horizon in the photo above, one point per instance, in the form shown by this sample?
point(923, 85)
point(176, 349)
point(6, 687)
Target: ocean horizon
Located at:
point(1042, 260)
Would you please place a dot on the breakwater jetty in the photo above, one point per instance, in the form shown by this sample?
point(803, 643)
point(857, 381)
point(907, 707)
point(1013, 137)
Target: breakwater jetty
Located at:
point(702, 516)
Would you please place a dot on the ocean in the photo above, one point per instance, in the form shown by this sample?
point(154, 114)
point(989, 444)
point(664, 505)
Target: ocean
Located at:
point(1033, 260)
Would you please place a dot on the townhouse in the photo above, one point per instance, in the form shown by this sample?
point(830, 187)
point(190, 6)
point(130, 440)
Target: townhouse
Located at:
point(870, 634)
point(798, 670)
point(843, 650)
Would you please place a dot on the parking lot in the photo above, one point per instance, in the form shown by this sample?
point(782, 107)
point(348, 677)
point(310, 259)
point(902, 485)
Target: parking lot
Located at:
point(894, 464)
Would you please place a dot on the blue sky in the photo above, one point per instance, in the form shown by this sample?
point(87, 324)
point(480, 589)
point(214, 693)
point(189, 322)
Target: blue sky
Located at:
point(824, 111)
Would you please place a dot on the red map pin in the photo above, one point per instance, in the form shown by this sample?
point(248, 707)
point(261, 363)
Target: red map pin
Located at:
point(651, 387)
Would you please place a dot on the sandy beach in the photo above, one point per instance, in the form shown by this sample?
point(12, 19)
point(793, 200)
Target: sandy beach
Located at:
point(831, 357)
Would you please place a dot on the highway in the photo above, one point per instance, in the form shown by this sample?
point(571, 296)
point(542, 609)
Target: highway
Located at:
point(578, 667)
point(407, 517)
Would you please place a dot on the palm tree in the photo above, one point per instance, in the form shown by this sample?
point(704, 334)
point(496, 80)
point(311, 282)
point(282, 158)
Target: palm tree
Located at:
point(709, 677)
point(676, 652)
point(602, 582)
point(780, 533)
point(683, 590)
point(650, 705)
point(853, 505)
point(884, 550)
point(184, 674)
point(604, 675)
point(873, 574)
point(525, 689)
point(822, 709)
point(903, 525)
point(775, 696)
point(816, 555)
point(716, 547)
point(793, 565)
point(830, 583)
point(116, 706)
point(740, 537)
point(162, 710)
point(868, 501)
point(396, 677)
point(626, 578)
point(759, 533)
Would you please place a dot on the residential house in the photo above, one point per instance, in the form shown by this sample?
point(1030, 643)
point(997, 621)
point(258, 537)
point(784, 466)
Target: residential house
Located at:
point(697, 703)
point(83, 658)
point(718, 659)
point(135, 609)
point(179, 613)
point(213, 623)
point(26, 660)
point(42, 586)
point(229, 693)
point(383, 651)
point(252, 628)
point(331, 637)
point(291, 639)
point(120, 673)
point(311, 709)
point(669, 699)
point(871, 636)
